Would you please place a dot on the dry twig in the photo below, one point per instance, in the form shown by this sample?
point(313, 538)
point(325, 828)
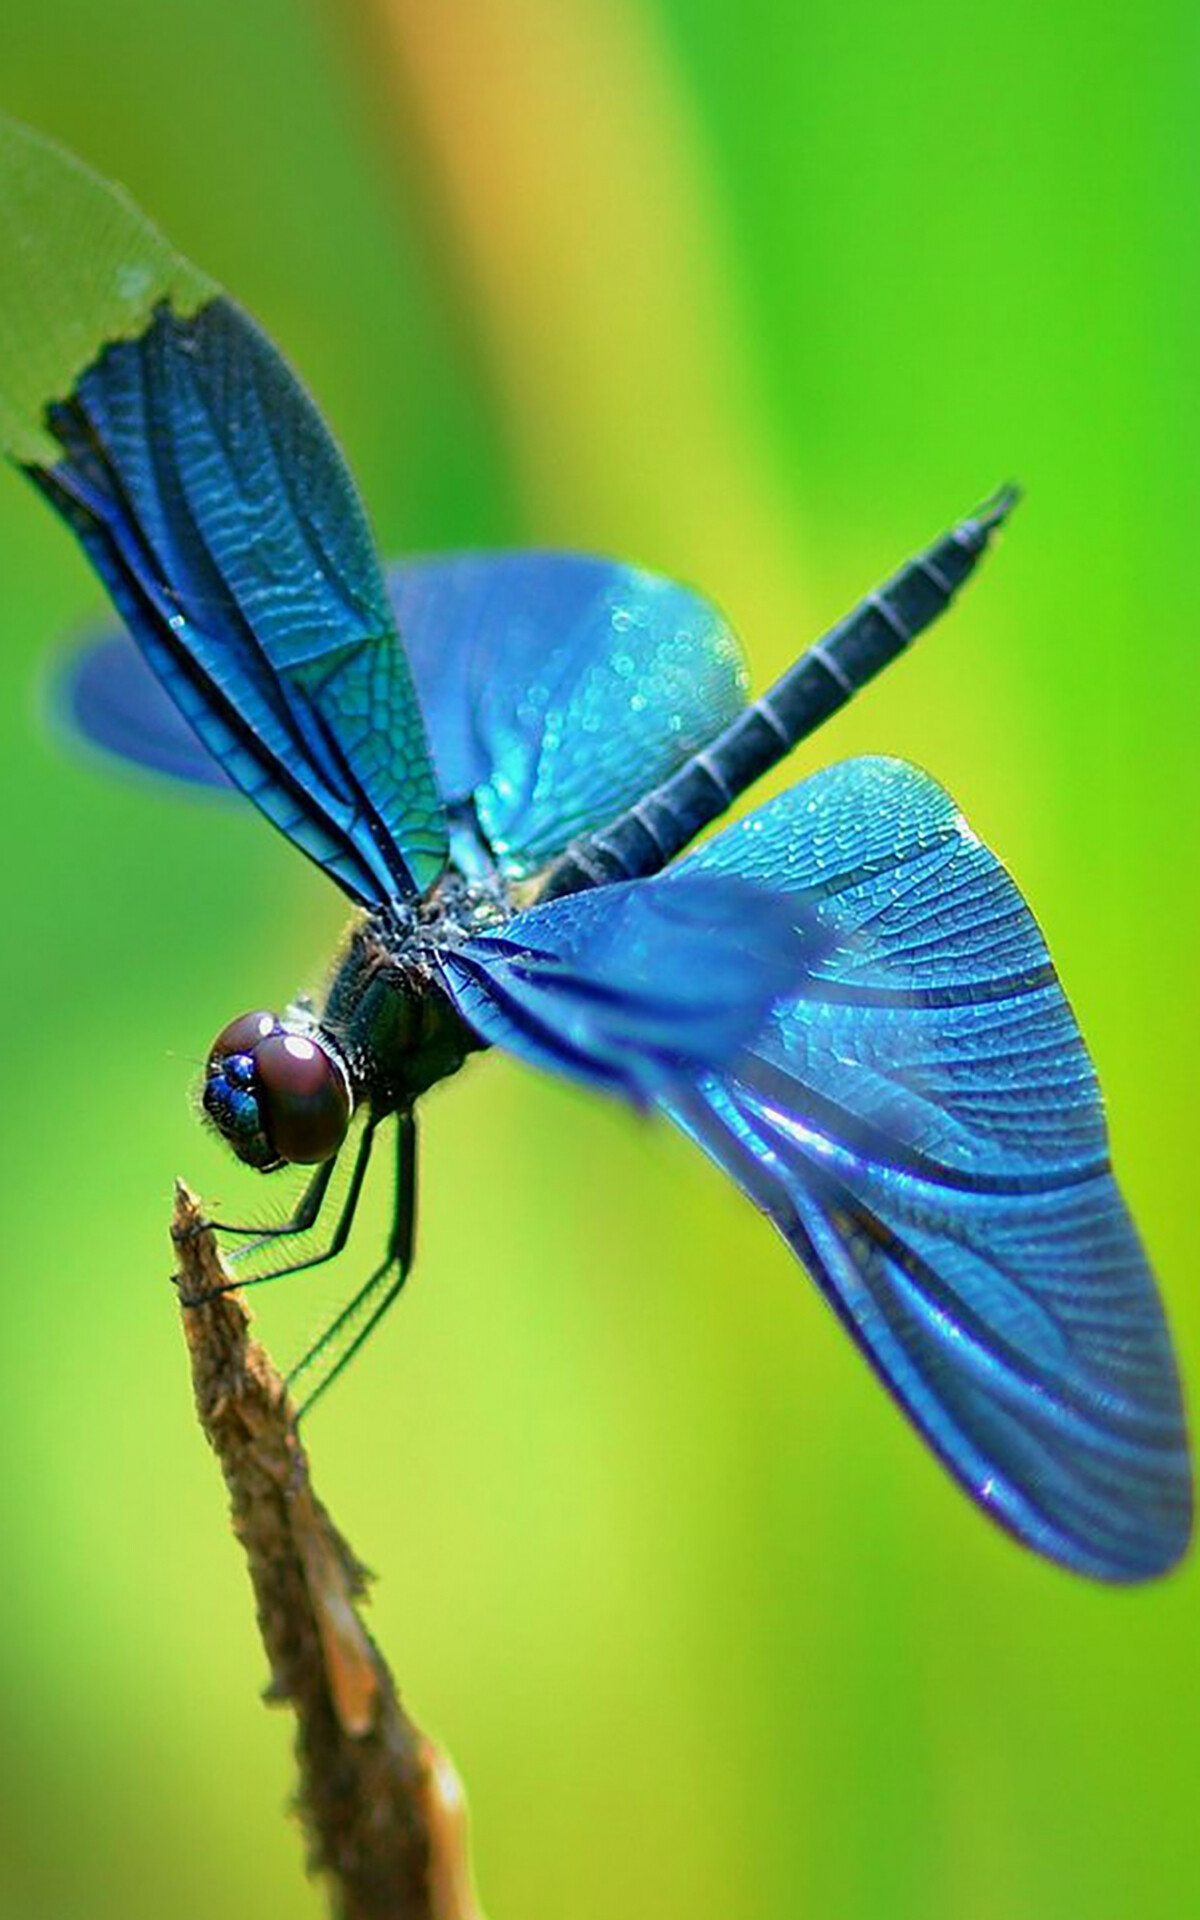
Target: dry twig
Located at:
point(381, 1808)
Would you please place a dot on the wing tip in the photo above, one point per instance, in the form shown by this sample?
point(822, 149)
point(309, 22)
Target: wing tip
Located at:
point(1143, 1543)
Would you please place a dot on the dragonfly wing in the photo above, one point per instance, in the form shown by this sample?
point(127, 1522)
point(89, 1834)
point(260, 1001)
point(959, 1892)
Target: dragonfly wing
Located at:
point(921, 1121)
point(557, 688)
point(632, 986)
point(106, 692)
point(208, 493)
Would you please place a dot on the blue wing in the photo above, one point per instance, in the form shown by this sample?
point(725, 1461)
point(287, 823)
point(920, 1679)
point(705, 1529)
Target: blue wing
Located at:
point(634, 985)
point(557, 687)
point(554, 687)
point(105, 692)
point(208, 494)
point(917, 1114)
point(922, 1123)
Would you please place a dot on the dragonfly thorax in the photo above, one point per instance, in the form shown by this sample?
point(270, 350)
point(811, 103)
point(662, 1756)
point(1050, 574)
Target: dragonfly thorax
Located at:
point(283, 1090)
point(388, 1016)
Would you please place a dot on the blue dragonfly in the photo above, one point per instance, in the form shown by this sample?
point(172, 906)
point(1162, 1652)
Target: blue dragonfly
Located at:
point(841, 997)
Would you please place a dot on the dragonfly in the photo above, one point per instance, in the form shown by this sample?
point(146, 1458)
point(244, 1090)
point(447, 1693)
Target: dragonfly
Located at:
point(503, 761)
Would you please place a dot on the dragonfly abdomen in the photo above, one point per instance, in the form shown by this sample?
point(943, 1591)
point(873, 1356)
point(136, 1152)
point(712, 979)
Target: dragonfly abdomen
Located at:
point(659, 825)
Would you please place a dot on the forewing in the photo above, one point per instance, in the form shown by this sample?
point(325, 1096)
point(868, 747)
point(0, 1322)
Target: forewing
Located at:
point(921, 1120)
point(633, 987)
point(555, 689)
point(209, 495)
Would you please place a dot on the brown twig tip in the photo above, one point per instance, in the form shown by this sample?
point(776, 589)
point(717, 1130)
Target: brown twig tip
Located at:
point(381, 1807)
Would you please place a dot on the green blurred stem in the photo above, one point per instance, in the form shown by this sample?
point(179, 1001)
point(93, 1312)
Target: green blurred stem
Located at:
point(381, 1808)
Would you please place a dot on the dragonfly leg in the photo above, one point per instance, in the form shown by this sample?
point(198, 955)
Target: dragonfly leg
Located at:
point(297, 1224)
point(300, 1220)
point(362, 1314)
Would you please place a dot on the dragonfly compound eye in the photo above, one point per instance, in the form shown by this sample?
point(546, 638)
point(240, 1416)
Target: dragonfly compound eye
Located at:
point(242, 1035)
point(275, 1096)
point(231, 1090)
point(303, 1096)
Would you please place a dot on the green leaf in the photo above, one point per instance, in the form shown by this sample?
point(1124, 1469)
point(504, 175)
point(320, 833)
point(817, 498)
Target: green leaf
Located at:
point(79, 267)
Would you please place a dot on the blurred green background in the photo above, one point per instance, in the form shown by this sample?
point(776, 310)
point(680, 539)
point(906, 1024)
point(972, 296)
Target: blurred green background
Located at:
point(763, 297)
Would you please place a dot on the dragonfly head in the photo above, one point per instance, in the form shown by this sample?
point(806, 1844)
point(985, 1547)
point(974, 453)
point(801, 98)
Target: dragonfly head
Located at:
point(276, 1093)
